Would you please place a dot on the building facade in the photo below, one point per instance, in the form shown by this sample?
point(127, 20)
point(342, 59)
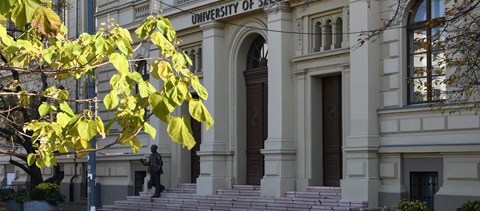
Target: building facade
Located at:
point(297, 103)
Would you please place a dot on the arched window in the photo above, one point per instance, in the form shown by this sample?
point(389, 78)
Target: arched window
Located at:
point(426, 71)
point(318, 37)
point(142, 69)
point(198, 67)
point(257, 54)
point(338, 33)
point(193, 67)
point(328, 35)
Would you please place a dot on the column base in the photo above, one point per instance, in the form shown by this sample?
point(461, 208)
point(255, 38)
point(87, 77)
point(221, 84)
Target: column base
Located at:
point(361, 190)
point(208, 185)
point(389, 195)
point(277, 186)
point(449, 197)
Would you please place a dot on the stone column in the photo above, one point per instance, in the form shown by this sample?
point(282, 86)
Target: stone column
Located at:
point(213, 163)
point(361, 175)
point(279, 148)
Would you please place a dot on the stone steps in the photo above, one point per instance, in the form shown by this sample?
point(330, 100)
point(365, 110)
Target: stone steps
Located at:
point(240, 197)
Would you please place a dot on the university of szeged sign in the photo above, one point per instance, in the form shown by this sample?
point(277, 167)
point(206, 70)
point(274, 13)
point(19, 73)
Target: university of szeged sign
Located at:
point(230, 9)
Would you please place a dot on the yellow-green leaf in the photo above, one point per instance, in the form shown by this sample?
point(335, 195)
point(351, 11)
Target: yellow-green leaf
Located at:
point(87, 129)
point(119, 62)
point(179, 130)
point(135, 144)
point(161, 70)
point(160, 108)
point(43, 109)
point(109, 125)
point(111, 100)
point(199, 112)
point(145, 89)
point(24, 99)
point(199, 88)
point(100, 127)
point(63, 119)
point(31, 159)
point(150, 130)
point(39, 162)
point(66, 108)
point(84, 143)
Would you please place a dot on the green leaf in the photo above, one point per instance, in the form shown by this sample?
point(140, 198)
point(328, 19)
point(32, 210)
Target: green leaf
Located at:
point(47, 22)
point(179, 130)
point(150, 130)
point(30, 159)
point(199, 88)
point(198, 111)
point(43, 109)
point(66, 108)
point(111, 100)
point(119, 62)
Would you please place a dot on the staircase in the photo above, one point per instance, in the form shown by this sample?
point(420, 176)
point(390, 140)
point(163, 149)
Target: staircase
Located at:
point(240, 198)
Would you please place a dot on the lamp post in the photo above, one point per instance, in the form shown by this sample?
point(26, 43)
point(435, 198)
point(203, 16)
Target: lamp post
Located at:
point(92, 92)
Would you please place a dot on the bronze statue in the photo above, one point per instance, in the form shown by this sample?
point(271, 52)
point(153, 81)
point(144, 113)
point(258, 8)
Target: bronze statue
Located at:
point(154, 164)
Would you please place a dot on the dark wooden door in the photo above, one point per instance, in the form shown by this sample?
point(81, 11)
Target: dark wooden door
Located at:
point(257, 89)
point(332, 130)
point(139, 180)
point(195, 159)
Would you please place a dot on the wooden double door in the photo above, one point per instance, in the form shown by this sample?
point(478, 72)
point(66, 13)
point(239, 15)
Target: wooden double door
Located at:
point(257, 103)
point(332, 130)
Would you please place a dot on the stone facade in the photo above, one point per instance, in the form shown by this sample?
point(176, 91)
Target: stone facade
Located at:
point(385, 144)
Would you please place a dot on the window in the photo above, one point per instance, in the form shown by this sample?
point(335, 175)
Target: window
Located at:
point(318, 37)
point(338, 33)
point(257, 54)
point(426, 71)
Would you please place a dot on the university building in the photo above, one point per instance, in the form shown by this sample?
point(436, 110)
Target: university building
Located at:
point(297, 103)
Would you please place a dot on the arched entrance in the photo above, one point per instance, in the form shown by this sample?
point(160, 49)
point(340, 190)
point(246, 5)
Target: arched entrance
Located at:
point(256, 82)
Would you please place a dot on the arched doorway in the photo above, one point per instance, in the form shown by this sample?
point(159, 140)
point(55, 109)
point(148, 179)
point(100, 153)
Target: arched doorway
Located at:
point(256, 82)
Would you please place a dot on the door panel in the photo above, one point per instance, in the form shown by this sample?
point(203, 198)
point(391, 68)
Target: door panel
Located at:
point(256, 82)
point(195, 159)
point(332, 130)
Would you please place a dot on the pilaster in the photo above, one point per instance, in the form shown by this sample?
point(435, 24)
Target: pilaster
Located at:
point(213, 156)
point(280, 149)
point(361, 175)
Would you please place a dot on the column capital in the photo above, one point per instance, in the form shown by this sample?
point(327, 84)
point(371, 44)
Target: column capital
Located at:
point(278, 7)
point(212, 25)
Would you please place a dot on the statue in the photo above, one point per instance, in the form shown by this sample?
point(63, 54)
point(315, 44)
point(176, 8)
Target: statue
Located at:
point(154, 164)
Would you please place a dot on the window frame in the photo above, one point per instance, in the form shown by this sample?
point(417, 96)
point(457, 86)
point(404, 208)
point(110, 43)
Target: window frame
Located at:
point(412, 28)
